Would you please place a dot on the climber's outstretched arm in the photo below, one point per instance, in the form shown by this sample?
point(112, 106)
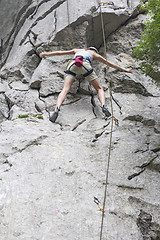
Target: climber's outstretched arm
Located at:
point(44, 54)
point(103, 60)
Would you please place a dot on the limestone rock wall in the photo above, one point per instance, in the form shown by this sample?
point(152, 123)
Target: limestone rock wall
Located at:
point(50, 173)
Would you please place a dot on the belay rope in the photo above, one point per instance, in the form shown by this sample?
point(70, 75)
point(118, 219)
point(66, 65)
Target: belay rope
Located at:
point(112, 119)
point(110, 142)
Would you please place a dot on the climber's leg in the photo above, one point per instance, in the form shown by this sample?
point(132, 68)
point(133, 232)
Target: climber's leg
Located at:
point(101, 95)
point(61, 97)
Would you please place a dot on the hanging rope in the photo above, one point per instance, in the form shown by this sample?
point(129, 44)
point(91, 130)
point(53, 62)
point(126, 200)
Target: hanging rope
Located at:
point(110, 142)
point(110, 94)
point(69, 24)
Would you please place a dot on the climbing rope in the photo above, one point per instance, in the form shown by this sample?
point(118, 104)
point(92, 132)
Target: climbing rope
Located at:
point(110, 142)
point(112, 119)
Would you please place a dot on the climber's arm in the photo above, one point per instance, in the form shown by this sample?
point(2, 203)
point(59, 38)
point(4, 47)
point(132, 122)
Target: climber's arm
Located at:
point(67, 52)
point(103, 60)
point(118, 67)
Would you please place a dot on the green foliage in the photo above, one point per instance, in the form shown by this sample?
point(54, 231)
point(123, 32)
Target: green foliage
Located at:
point(23, 116)
point(39, 116)
point(148, 49)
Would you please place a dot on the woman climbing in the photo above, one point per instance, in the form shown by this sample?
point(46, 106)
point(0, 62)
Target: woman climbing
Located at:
point(81, 64)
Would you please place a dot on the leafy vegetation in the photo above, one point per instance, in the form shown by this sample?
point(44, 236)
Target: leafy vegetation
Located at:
point(148, 49)
point(10, 86)
point(23, 116)
point(39, 116)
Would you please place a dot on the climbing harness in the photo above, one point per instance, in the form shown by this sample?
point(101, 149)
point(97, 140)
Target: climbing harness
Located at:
point(106, 3)
point(99, 204)
point(78, 61)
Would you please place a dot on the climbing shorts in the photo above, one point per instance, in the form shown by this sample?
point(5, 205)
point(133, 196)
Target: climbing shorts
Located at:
point(80, 71)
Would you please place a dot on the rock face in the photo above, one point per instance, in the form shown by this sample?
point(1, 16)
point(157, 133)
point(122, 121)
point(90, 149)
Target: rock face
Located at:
point(50, 173)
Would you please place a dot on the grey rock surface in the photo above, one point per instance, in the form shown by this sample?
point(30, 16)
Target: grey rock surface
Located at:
point(50, 173)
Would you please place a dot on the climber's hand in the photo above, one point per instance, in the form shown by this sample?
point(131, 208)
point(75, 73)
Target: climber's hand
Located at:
point(42, 54)
point(129, 70)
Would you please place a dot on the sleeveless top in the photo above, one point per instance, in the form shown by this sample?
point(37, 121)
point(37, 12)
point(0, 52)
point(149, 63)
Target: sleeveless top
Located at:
point(85, 54)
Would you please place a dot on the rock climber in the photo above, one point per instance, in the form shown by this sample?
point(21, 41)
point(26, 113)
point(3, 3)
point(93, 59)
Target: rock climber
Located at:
point(81, 64)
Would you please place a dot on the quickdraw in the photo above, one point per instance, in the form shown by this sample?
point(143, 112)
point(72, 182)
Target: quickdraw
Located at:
point(99, 204)
point(106, 3)
point(115, 120)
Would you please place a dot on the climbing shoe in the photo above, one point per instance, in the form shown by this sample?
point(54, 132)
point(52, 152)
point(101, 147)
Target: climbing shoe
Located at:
point(106, 112)
point(54, 115)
